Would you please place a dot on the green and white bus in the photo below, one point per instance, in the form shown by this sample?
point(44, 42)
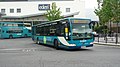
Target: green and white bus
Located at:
point(68, 33)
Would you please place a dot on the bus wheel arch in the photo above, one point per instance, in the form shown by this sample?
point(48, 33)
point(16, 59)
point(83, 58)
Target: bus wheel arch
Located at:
point(56, 44)
point(10, 36)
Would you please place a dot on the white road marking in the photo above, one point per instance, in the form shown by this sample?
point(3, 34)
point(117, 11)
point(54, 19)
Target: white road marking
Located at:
point(22, 49)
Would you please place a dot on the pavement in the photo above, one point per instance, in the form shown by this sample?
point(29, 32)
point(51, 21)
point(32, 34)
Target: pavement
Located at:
point(109, 44)
point(110, 41)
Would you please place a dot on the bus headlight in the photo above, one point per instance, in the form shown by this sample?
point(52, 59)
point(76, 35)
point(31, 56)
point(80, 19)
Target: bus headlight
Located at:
point(72, 44)
point(91, 43)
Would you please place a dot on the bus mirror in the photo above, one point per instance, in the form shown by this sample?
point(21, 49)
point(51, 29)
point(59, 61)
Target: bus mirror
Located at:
point(90, 25)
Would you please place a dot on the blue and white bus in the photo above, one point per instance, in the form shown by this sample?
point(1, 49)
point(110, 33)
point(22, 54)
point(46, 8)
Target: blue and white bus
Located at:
point(69, 33)
point(13, 30)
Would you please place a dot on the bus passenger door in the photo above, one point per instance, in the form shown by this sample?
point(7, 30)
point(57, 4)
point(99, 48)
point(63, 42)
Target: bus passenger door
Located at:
point(67, 31)
point(64, 29)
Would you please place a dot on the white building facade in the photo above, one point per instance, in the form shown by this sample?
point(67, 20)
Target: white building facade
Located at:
point(23, 9)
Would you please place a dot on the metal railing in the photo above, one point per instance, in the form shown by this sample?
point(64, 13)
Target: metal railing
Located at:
point(108, 38)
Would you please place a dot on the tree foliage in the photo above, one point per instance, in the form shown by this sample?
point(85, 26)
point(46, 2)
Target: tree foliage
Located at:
point(101, 28)
point(54, 13)
point(110, 11)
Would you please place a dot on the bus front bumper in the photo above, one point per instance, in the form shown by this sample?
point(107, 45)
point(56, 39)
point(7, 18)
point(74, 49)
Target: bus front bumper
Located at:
point(75, 47)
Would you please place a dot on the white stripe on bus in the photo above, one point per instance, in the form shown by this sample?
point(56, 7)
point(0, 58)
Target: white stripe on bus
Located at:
point(63, 41)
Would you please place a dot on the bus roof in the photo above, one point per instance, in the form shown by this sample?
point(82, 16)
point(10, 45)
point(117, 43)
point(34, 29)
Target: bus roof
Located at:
point(12, 22)
point(49, 22)
point(80, 18)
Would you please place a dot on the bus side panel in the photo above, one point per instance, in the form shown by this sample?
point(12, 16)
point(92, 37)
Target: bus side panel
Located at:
point(3, 33)
point(49, 40)
point(26, 32)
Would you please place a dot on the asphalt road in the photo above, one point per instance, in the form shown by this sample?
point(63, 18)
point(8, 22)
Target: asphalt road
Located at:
point(24, 52)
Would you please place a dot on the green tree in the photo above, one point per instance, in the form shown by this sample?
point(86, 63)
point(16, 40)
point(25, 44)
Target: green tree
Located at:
point(54, 13)
point(108, 12)
point(99, 1)
point(101, 28)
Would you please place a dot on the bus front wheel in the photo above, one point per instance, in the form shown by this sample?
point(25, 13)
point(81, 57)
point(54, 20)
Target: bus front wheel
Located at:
point(25, 35)
point(10, 36)
point(56, 44)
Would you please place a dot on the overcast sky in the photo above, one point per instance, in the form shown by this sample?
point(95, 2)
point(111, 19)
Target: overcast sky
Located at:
point(91, 4)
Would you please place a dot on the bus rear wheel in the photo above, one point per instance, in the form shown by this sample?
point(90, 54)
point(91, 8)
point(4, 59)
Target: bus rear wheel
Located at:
point(56, 44)
point(10, 36)
point(37, 42)
point(25, 35)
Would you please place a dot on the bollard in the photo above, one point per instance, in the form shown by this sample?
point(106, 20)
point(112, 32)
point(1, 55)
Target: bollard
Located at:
point(116, 38)
point(106, 39)
point(98, 38)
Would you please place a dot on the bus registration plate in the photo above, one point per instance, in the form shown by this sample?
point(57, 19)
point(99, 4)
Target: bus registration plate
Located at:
point(82, 40)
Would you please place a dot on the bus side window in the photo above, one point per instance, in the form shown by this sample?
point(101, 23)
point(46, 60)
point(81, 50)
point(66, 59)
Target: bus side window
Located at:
point(0, 24)
point(21, 31)
point(62, 30)
point(7, 31)
point(3, 31)
point(52, 31)
point(47, 31)
point(38, 30)
point(59, 29)
point(5, 24)
point(29, 31)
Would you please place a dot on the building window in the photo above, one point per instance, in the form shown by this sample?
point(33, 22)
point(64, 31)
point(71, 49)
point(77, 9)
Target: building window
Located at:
point(67, 9)
point(19, 10)
point(11, 10)
point(2, 10)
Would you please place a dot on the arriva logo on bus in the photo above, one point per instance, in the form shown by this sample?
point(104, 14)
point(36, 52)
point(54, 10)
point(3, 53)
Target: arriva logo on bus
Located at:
point(44, 7)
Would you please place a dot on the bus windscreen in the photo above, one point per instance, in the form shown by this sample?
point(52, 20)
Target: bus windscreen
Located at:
point(81, 29)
